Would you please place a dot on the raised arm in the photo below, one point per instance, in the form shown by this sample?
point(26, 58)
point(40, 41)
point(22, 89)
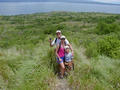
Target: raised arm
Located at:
point(52, 42)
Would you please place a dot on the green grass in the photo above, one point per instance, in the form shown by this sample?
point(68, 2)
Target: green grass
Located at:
point(28, 63)
point(95, 74)
point(22, 69)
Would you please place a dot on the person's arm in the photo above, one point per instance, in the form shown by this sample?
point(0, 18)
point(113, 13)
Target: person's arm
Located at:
point(52, 43)
point(67, 42)
point(71, 55)
point(57, 52)
point(71, 49)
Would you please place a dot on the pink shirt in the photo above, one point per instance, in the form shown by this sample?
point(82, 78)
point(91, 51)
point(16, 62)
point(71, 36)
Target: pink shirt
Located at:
point(61, 52)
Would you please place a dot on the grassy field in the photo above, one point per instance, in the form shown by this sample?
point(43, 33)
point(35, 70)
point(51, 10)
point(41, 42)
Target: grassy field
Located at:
point(28, 63)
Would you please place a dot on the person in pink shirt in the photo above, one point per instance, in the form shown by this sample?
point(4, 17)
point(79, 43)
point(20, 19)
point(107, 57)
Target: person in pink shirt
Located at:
point(60, 52)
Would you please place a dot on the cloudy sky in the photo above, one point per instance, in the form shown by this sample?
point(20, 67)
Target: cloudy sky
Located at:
point(101, 1)
point(108, 1)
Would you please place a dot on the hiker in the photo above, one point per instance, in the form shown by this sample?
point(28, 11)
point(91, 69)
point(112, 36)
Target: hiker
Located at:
point(57, 40)
point(60, 53)
point(68, 58)
point(68, 54)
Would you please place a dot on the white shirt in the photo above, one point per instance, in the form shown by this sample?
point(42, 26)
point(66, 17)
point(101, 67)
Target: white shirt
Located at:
point(58, 41)
point(68, 57)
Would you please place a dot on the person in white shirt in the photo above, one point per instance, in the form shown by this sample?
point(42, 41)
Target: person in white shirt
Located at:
point(57, 40)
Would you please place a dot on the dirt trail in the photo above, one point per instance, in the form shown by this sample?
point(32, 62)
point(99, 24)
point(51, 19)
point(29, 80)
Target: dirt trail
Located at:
point(62, 84)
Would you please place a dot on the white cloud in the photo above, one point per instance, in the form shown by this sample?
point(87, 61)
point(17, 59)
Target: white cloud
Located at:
point(109, 1)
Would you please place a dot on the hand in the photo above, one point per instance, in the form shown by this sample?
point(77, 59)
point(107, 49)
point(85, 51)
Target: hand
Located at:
point(60, 59)
point(72, 53)
point(50, 40)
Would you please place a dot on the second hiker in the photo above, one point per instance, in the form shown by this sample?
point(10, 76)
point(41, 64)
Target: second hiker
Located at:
point(60, 53)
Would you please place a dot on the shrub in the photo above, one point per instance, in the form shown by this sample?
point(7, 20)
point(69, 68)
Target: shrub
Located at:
point(40, 22)
point(109, 46)
point(109, 20)
point(104, 28)
point(60, 26)
point(50, 29)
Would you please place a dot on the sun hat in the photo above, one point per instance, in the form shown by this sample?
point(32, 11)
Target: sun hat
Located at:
point(62, 37)
point(58, 31)
point(66, 47)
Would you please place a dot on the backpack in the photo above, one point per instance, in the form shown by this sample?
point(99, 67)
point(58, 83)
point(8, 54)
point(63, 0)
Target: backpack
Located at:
point(55, 40)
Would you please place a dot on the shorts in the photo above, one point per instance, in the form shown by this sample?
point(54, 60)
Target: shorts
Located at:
point(63, 58)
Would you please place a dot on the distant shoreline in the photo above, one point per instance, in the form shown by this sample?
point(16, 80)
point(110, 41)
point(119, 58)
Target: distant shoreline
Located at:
point(62, 12)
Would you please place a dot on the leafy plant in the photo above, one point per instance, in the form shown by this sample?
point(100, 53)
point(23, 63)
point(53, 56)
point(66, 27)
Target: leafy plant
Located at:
point(104, 28)
point(109, 46)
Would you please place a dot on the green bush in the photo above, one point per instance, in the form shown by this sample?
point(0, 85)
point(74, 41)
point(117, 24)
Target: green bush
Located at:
point(40, 22)
point(60, 26)
point(104, 28)
point(50, 29)
point(109, 46)
point(109, 20)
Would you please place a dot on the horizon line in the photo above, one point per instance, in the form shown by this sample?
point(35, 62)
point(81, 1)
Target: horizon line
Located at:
point(94, 2)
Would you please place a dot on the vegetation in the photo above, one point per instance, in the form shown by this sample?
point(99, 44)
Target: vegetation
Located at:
point(28, 63)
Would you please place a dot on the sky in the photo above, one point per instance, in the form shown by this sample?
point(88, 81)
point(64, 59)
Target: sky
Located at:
point(108, 1)
point(99, 1)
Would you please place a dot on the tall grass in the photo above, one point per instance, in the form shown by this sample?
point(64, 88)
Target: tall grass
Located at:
point(21, 69)
point(28, 63)
point(92, 74)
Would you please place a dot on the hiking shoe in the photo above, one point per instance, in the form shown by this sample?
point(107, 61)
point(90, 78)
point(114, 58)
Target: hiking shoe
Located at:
point(61, 77)
point(65, 74)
